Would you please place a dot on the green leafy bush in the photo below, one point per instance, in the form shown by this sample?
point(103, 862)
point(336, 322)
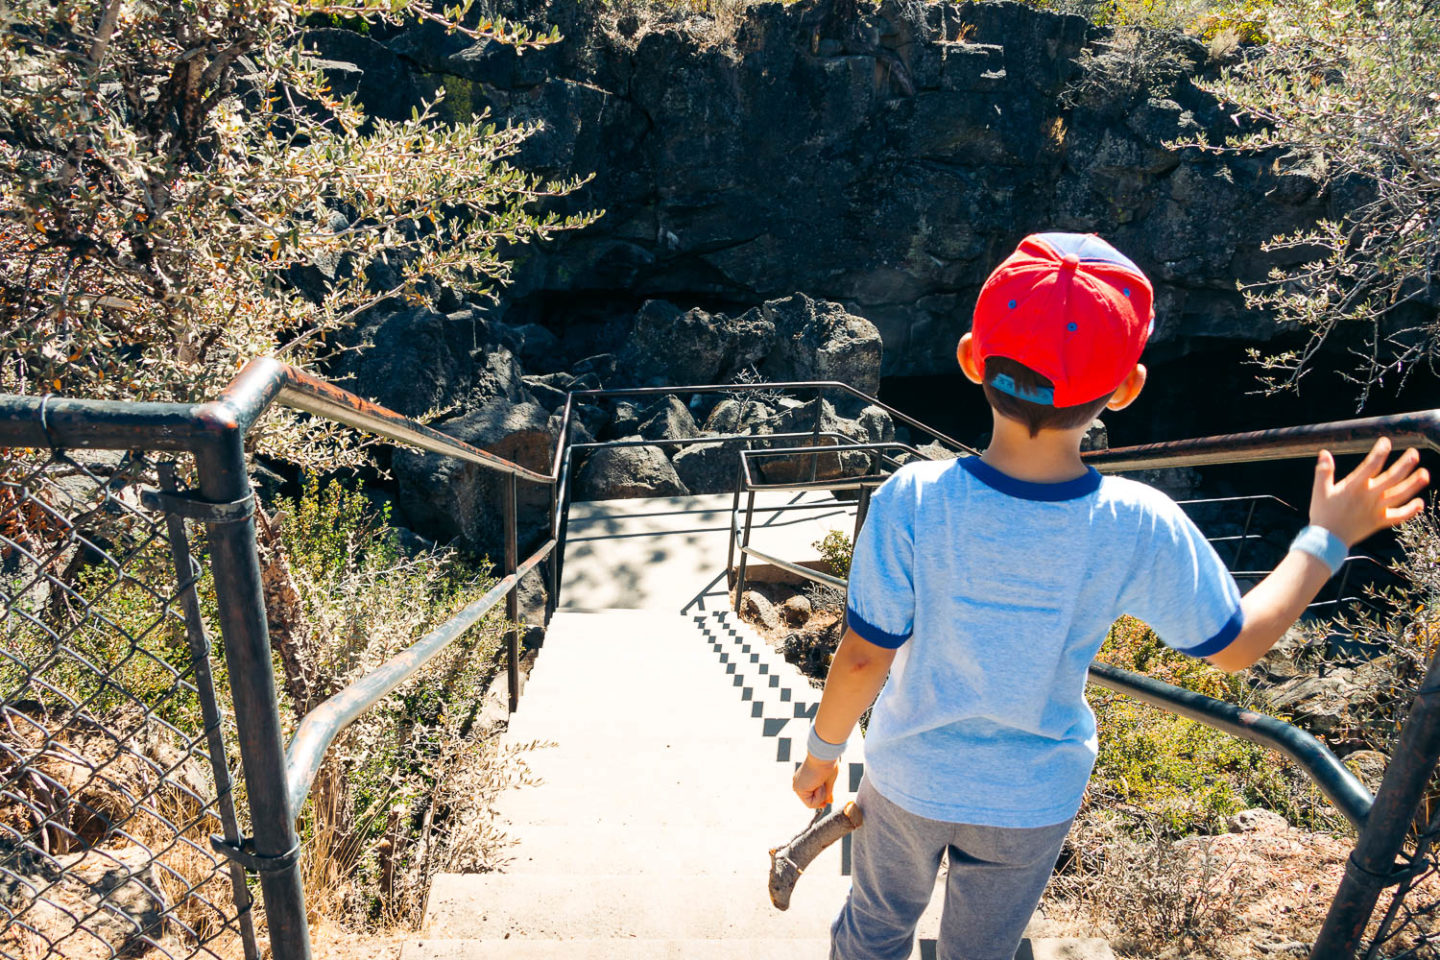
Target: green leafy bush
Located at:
point(396, 799)
point(1184, 775)
point(836, 549)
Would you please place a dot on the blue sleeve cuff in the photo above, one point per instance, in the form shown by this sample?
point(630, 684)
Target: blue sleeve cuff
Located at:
point(868, 631)
point(1221, 640)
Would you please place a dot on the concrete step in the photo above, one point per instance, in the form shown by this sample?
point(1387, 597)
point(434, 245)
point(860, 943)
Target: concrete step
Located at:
point(728, 949)
point(770, 806)
point(658, 850)
point(1048, 948)
point(593, 907)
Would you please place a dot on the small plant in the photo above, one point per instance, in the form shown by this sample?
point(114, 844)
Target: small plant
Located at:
point(836, 549)
point(1179, 774)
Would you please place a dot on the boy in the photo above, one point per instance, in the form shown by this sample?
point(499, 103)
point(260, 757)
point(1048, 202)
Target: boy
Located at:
point(984, 586)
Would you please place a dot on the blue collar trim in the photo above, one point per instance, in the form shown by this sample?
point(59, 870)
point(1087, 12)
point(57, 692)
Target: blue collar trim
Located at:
point(1027, 490)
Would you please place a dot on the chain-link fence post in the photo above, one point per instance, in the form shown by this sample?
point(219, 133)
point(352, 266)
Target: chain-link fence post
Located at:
point(274, 849)
point(1374, 863)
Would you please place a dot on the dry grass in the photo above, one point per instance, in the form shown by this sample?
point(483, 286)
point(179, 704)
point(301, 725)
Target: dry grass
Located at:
point(121, 816)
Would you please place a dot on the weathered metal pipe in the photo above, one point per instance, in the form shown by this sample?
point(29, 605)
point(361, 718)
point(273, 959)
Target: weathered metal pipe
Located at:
point(1336, 782)
point(1371, 867)
point(321, 726)
point(1418, 429)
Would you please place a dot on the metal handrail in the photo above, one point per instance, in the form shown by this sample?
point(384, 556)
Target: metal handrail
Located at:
point(1420, 428)
point(323, 724)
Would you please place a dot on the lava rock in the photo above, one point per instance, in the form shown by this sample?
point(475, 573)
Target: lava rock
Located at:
point(668, 346)
point(819, 340)
point(757, 608)
point(710, 467)
point(452, 500)
point(724, 417)
point(612, 473)
point(410, 359)
point(796, 610)
point(668, 420)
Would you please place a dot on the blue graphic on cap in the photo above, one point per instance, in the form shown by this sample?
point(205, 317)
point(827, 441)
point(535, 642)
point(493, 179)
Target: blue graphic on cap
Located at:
point(1006, 384)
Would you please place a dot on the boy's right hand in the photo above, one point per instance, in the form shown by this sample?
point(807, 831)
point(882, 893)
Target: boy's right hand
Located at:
point(1367, 500)
point(814, 782)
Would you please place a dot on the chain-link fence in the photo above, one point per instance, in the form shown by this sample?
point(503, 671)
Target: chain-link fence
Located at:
point(113, 765)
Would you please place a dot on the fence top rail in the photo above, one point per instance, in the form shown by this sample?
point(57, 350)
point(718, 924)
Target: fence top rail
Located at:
point(265, 381)
point(1420, 428)
point(56, 423)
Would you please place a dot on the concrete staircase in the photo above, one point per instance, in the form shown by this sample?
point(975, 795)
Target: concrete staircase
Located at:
point(667, 742)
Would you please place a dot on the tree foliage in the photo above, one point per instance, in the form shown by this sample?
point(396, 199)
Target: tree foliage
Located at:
point(166, 168)
point(1348, 93)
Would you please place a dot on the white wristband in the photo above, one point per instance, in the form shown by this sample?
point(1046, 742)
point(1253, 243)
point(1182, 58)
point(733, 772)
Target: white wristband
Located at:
point(822, 749)
point(1323, 545)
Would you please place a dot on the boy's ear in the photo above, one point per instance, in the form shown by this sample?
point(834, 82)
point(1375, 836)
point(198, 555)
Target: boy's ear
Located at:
point(974, 370)
point(1129, 389)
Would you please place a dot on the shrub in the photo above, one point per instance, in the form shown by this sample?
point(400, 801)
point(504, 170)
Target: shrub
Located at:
point(1346, 97)
point(384, 814)
point(836, 549)
point(166, 169)
point(1183, 775)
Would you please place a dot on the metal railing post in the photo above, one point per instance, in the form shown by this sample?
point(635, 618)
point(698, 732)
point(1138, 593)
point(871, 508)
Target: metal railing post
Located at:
point(815, 433)
point(274, 849)
point(1371, 866)
point(740, 575)
point(862, 507)
point(734, 518)
point(1245, 533)
point(186, 572)
point(512, 599)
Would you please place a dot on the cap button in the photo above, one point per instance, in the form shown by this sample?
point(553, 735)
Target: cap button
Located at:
point(1072, 260)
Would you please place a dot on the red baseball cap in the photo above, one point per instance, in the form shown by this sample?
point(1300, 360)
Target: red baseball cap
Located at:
point(1070, 307)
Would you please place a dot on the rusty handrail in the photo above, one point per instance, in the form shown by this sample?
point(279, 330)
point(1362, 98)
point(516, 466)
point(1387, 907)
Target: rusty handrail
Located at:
point(1420, 428)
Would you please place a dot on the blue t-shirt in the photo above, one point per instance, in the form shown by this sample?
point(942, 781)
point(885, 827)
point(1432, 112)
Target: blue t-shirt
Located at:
point(997, 593)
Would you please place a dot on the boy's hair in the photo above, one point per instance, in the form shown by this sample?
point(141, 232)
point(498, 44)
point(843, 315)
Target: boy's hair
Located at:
point(1035, 416)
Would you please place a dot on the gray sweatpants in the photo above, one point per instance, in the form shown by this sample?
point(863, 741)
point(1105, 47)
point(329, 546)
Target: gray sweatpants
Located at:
point(995, 880)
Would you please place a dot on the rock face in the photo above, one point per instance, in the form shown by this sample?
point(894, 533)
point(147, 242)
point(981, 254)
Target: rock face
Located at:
point(885, 160)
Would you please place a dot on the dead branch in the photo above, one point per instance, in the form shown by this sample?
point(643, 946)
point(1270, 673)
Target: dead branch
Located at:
point(789, 861)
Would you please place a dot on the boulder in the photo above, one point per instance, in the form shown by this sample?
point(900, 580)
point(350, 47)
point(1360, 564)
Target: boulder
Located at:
point(668, 346)
point(724, 417)
point(796, 610)
point(709, 467)
point(497, 374)
point(755, 417)
point(549, 389)
point(1257, 820)
point(820, 340)
point(612, 473)
point(455, 501)
point(877, 425)
point(410, 359)
point(1096, 438)
point(801, 419)
point(623, 422)
point(756, 608)
point(1369, 766)
point(1318, 704)
point(668, 420)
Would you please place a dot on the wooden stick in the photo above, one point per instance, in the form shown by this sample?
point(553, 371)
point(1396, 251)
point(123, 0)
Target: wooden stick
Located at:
point(789, 861)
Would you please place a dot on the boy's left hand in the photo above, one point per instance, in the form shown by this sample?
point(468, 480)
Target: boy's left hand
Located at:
point(1370, 498)
point(814, 782)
